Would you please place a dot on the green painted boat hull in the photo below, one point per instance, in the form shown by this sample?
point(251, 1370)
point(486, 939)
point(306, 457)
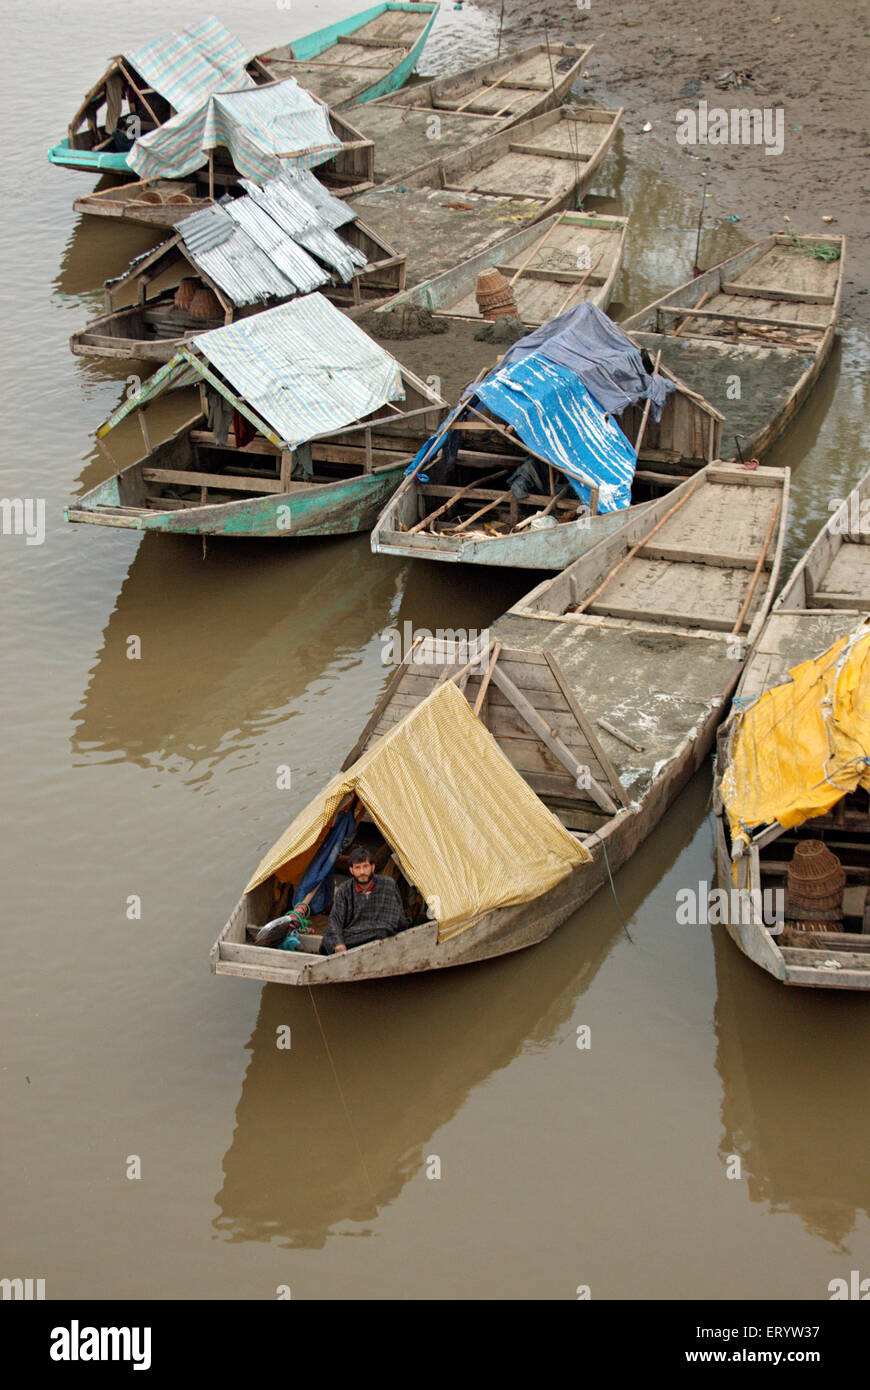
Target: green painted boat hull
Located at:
point(92, 161)
point(346, 507)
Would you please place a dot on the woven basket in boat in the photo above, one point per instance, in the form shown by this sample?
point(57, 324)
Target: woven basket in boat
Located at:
point(494, 296)
point(204, 305)
point(816, 880)
point(185, 292)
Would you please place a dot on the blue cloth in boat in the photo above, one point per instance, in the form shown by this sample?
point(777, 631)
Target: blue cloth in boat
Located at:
point(319, 871)
point(556, 417)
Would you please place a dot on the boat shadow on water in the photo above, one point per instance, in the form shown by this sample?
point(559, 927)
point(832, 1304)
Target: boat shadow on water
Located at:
point(793, 1068)
point(219, 625)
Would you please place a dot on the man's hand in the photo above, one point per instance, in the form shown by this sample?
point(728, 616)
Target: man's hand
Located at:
point(339, 949)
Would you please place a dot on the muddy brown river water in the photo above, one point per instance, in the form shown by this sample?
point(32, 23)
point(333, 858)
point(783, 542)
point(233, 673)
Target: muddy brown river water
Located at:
point(155, 778)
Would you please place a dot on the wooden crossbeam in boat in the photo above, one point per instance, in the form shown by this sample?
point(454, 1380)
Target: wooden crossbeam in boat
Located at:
point(737, 319)
point(543, 152)
point(787, 296)
point(231, 482)
point(528, 712)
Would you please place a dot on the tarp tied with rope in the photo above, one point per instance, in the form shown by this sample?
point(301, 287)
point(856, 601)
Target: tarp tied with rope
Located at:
point(802, 746)
point(465, 827)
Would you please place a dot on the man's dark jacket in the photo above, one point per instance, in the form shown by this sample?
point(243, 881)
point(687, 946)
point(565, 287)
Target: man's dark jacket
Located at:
point(359, 917)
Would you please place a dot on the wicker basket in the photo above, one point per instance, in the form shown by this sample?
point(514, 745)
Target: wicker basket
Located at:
point(204, 305)
point(185, 292)
point(494, 296)
point(816, 880)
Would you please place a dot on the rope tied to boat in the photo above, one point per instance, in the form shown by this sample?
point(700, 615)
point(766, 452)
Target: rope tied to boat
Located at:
point(613, 886)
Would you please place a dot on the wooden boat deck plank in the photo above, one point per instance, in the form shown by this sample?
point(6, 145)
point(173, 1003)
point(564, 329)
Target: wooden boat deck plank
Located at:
point(403, 135)
point(728, 519)
point(849, 573)
point(792, 270)
point(689, 594)
point(436, 235)
point(520, 175)
point(399, 26)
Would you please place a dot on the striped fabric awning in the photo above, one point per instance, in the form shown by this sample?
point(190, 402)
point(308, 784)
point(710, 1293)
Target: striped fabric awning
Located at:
point(304, 368)
point(187, 66)
point(264, 129)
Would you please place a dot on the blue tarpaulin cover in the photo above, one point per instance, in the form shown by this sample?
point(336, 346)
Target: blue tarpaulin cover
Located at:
point(554, 415)
point(608, 363)
point(559, 389)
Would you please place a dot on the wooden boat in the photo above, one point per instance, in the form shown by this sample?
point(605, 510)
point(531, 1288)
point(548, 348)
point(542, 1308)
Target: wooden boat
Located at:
point(141, 90)
point(160, 202)
point(602, 689)
point(568, 258)
point(753, 332)
point(323, 482)
point(826, 598)
point(152, 327)
point(464, 512)
point(355, 59)
point(454, 112)
point(462, 204)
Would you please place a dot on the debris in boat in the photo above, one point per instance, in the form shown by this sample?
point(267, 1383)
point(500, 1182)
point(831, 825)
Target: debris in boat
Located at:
point(505, 330)
point(405, 321)
point(734, 78)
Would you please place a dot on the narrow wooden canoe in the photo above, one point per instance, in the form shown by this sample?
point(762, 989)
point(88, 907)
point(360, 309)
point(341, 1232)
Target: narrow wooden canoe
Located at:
point(451, 113)
point(476, 520)
point(159, 202)
point(638, 637)
point(152, 328)
point(356, 59)
point(826, 597)
point(568, 259)
point(752, 334)
point(462, 204)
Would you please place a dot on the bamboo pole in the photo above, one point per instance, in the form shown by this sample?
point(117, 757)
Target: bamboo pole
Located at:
point(758, 568)
point(587, 603)
point(646, 410)
point(705, 298)
point(578, 287)
point(484, 684)
point(536, 248)
point(469, 487)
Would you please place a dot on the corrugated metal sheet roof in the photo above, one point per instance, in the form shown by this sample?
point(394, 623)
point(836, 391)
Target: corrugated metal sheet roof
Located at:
point(305, 367)
point(187, 66)
point(254, 253)
point(265, 129)
point(308, 213)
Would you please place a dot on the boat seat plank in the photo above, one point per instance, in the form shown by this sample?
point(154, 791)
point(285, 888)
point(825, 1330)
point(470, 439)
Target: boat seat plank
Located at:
point(403, 27)
point(229, 481)
point(519, 176)
point(687, 595)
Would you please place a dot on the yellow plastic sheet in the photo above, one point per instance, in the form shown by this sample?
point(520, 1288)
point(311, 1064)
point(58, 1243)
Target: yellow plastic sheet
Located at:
point(466, 828)
point(803, 745)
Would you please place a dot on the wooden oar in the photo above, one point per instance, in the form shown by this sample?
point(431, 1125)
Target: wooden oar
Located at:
point(575, 289)
point(469, 487)
point(758, 568)
point(536, 248)
point(581, 608)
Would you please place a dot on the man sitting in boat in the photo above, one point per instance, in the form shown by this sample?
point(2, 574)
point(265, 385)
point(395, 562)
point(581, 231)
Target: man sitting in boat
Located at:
point(366, 907)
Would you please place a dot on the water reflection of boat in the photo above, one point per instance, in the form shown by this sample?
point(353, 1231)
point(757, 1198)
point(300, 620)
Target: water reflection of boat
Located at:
point(242, 643)
point(293, 1171)
point(793, 1072)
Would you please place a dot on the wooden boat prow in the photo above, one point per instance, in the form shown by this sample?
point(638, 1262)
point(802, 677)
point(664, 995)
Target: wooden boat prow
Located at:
point(765, 318)
point(542, 681)
point(826, 597)
point(358, 58)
